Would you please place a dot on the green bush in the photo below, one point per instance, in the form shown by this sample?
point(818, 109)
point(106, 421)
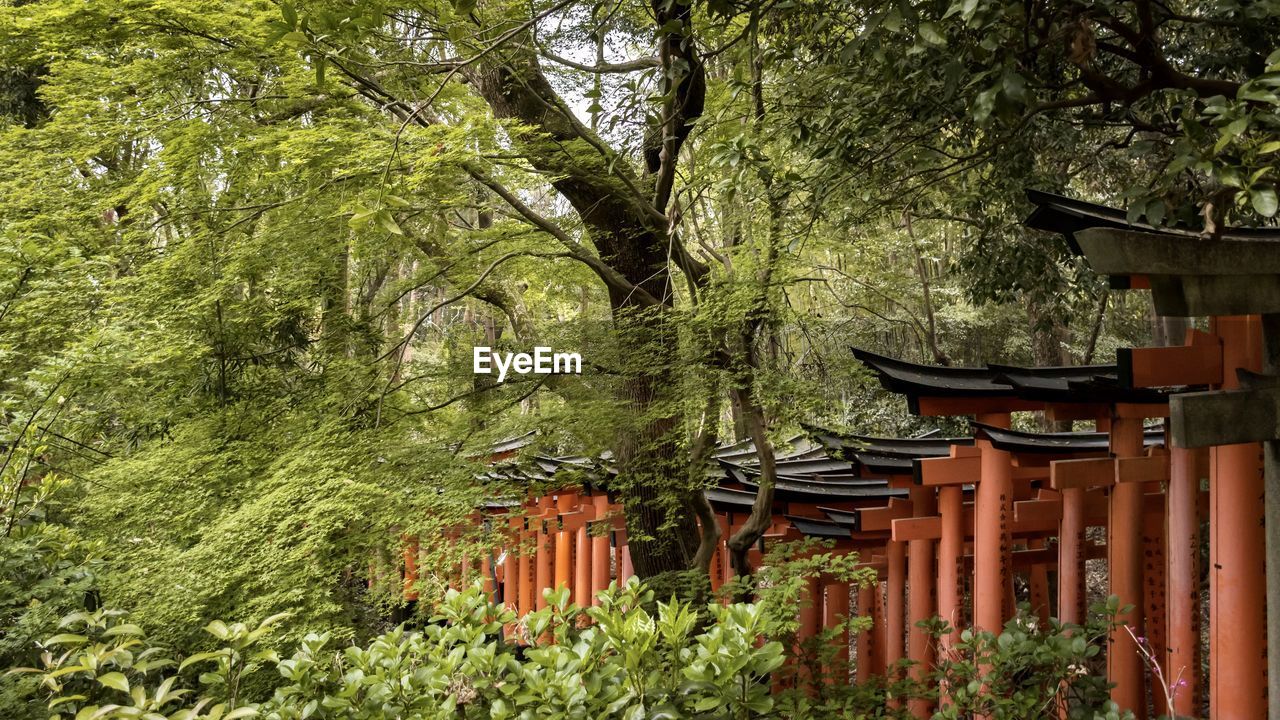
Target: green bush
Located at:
point(630, 657)
point(626, 663)
point(46, 572)
point(1031, 670)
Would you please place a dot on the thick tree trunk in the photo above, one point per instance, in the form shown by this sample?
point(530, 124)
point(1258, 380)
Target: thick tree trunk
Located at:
point(632, 238)
point(662, 530)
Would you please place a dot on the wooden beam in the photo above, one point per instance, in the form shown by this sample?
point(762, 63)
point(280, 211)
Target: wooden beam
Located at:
point(917, 528)
point(882, 518)
point(1225, 417)
point(1036, 514)
point(1165, 366)
point(1218, 295)
point(1029, 517)
point(1031, 472)
point(1124, 574)
point(1151, 468)
point(1140, 411)
point(1060, 412)
point(1087, 473)
point(934, 472)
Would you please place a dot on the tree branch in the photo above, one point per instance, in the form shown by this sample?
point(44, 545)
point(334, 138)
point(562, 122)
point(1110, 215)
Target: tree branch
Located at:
point(627, 66)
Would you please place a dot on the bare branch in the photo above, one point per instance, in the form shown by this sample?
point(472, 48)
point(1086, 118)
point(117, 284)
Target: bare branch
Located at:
point(627, 66)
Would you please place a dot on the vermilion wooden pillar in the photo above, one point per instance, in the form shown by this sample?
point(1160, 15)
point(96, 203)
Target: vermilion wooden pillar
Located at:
point(563, 558)
point(582, 568)
point(895, 603)
point(625, 569)
point(1183, 582)
point(566, 502)
point(410, 567)
point(1153, 571)
point(528, 573)
point(810, 624)
point(835, 612)
point(486, 574)
point(950, 559)
point(880, 633)
point(1071, 598)
point(726, 562)
point(1237, 577)
point(810, 609)
point(866, 664)
point(1124, 566)
point(542, 561)
point(600, 570)
point(950, 566)
point(714, 569)
point(993, 513)
point(923, 598)
point(511, 572)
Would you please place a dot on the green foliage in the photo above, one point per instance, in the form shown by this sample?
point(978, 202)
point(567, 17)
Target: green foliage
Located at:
point(628, 657)
point(104, 666)
point(245, 248)
point(1029, 670)
point(46, 572)
point(817, 671)
point(266, 516)
point(626, 662)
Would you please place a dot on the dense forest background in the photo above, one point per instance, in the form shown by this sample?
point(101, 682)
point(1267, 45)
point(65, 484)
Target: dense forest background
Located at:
point(247, 247)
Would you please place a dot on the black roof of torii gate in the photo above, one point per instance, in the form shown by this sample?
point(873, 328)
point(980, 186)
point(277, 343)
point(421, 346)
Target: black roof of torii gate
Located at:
point(1067, 384)
point(1067, 216)
point(1065, 443)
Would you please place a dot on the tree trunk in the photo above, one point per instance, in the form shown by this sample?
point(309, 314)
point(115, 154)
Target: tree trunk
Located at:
point(632, 238)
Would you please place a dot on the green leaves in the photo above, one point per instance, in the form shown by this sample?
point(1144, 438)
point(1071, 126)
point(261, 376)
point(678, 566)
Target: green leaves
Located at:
point(1264, 201)
point(931, 33)
point(680, 662)
point(67, 639)
point(380, 217)
point(1027, 665)
point(115, 680)
point(384, 220)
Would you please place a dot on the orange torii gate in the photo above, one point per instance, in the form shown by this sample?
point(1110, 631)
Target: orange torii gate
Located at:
point(991, 394)
point(893, 459)
point(836, 489)
point(1231, 278)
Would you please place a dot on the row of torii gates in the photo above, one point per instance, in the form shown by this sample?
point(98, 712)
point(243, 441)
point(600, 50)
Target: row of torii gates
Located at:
point(949, 523)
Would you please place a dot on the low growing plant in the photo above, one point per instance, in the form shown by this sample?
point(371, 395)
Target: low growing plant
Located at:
point(1031, 670)
point(615, 660)
point(47, 570)
point(629, 657)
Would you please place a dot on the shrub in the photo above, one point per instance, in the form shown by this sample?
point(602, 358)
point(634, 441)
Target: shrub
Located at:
point(629, 657)
point(1031, 670)
point(46, 572)
point(625, 662)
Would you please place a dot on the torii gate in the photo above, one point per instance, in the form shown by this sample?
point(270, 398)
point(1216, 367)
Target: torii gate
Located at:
point(1226, 279)
point(991, 394)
